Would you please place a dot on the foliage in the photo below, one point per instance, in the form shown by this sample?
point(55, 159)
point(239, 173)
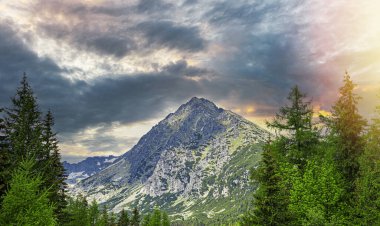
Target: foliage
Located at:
point(23, 135)
point(295, 120)
point(316, 198)
point(347, 127)
point(368, 184)
point(124, 218)
point(135, 221)
point(270, 200)
point(77, 210)
point(93, 213)
point(25, 203)
point(55, 172)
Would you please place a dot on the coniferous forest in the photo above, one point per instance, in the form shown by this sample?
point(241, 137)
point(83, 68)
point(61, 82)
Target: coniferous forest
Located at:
point(315, 169)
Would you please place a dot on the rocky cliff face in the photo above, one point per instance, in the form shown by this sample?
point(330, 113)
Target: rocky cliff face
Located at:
point(196, 156)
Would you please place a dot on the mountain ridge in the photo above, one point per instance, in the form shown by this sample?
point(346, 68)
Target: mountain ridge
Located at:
point(174, 164)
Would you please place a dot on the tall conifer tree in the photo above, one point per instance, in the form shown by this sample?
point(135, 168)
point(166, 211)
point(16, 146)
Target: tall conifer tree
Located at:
point(93, 213)
point(347, 126)
point(368, 183)
point(4, 160)
point(124, 218)
point(165, 219)
point(270, 205)
point(55, 172)
point(23, 126)
point(295, 120)
point(155, 218)
point(135, 221)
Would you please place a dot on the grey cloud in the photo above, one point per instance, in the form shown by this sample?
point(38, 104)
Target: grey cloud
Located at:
point(151, 6)
point(113, 43)
point(170, 35)
point(270, 55)
point(112, 31)
point(78, 104)
point(265, 55)
point(181, 68)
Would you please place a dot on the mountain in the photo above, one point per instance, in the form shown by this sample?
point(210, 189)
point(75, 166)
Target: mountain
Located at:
point(194, 164)
point(88, 167)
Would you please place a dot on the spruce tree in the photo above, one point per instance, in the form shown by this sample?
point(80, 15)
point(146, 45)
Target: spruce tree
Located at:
point(25, 203)
point(347, 126)
point(124, 218)
point(23, 126)
point(165, 219)
point(155, 218)
point(55, 172)
point(146, 220)
point(112, 219)
point(295, 120)
point(77, 211)
point(368, 184)
point(104, 218)
point(4, 160)
point(135, 221)
point(93, 213)
point(270, 200)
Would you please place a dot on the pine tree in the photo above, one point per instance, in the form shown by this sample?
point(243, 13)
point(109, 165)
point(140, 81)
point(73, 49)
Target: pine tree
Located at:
point(124, 218)
point(55, 173)
point(165, 219)
point(4, 160)
point(271, 202)
point(77, 210)
point(93, 213)
point(146, 220)
point(155, 218)
point(347, 126)
point(25, 203)
point(23, 127)
point(112, 219)
point(135, 221)
point(368, 184)
point(296, 121)
point(104, 219)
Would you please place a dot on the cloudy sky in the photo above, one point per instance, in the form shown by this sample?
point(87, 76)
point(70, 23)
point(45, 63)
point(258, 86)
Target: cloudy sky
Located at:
point(109, 70)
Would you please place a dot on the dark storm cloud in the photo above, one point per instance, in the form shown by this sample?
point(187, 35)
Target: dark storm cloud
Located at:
point(181, 68)
point(78, 104)
point(248, 53)
point(129, 98)
point(173, 36)
point(111, 30)
point(113, 43)
point(16, 58)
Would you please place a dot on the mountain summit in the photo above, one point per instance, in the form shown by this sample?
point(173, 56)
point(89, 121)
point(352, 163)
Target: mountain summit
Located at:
point(197, 153)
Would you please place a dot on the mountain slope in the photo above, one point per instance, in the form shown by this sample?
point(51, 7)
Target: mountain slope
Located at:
point(196, 156)
point(88, 167)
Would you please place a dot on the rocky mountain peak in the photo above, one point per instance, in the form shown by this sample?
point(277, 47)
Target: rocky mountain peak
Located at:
point(179, 158)
point(195, 106)
point(201, 103)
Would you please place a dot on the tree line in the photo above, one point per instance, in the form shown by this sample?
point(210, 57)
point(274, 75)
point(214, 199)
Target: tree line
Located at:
point(32, 176)
point(85, 214)
point(319, 172)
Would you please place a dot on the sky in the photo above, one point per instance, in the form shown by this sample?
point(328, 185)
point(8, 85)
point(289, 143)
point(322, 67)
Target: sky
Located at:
point(109, 70)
